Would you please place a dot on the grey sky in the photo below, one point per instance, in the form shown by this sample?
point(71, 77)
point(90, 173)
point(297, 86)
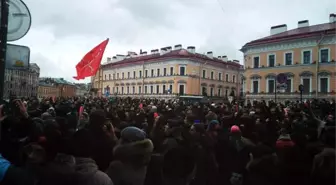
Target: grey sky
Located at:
point(63, 31)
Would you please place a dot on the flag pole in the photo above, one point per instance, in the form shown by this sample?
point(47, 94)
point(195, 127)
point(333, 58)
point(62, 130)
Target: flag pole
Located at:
point(3, 44)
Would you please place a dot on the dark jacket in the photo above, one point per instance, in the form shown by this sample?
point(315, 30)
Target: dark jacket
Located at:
point(130, 164)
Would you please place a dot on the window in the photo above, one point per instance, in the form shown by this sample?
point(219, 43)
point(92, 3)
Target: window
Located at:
point(171, 70)
point(128, 74)
point(117, 75)
point(219, 92)
point(152, 73)
point(122, 75)
point(171, 88)
point(134, 74)
point(163, 89)
point(122, 90)
point(140, 74)
point(157, 89)
point(324, 55)
point(306, 57)
point(271, 60)
point(256, 62)
point(324, 84)
point(133, 90)
point(306, 85)
point(204, 91)
point(203, 73)
point(181, 89)
point(105, 77)
point(211, 91)
point(117, 90)
point(270, 85)
point(127, 90)
point(255, 86)
point(212, 75)
point(145, 89)
point(151, 89)
point(234, 78)
point(182, 70)
point(139, 89)
point(226, 77)
point(220, 76)
point(226, 92)
point(164, 71)
point(109, 76)
point(158, 72)
point(289, 86)
point(288, 59)
point(146, 73)
point(113, 76)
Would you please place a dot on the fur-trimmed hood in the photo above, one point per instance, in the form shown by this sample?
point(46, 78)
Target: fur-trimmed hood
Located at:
point(137, 153)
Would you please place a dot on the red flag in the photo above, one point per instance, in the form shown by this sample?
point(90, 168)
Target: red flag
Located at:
point(90, 63)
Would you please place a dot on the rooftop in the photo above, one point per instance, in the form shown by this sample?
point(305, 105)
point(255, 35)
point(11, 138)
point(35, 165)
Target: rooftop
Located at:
point(297, 33)
point(176, 53)
point(55, 80)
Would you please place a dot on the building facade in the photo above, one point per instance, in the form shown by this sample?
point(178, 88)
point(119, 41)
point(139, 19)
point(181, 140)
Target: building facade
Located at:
point(169, 72)
point(47, 90)
point(81, 89)
point(306, 55)
point(64, 88)
point(22, 83)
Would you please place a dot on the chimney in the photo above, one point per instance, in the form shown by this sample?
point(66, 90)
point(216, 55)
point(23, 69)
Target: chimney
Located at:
point(225, 58)
point(163, 51)
point(278, 29)
point(209, 54)
point(332, 18)
point(191, 49)
point(178, 46)
point(152, 51)
point(168, 49)
point(303, 23)
point(144, 53)
point(109, 59)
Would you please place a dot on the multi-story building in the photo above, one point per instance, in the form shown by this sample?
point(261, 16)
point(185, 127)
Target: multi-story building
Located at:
point(306, 55)
point(22, 83)
point(47, 90)
point(169, 72)
point(81, 89)
point(64, 88)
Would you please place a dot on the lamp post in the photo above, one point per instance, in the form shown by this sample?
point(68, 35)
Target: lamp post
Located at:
point(3, 43)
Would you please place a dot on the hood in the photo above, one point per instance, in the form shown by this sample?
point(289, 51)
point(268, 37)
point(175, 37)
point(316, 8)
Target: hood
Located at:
point(137, 153)
point(85, 166)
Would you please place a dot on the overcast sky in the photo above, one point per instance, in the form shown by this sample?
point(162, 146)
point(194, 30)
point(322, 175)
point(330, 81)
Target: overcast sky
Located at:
point(63, 31)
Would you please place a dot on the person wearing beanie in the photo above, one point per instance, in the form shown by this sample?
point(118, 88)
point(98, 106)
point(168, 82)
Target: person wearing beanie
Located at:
point(131, 157)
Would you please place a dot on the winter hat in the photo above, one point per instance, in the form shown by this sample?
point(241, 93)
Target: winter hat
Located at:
point(132, 134)
point(212, 124)
point(234, 129)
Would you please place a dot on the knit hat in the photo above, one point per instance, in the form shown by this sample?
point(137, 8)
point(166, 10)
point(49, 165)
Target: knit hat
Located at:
point(212, 124)
point(234, 129)
point(132, 134)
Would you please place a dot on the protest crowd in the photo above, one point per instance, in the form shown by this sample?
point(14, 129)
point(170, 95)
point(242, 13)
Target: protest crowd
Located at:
point(128, 141)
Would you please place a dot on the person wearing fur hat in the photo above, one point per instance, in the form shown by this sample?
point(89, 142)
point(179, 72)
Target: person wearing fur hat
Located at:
point(131, 157)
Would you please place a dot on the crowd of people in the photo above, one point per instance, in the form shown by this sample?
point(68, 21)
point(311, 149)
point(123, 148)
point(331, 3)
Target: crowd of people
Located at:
point(127, 141)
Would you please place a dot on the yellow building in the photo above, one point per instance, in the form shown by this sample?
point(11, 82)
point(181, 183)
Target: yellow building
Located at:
point(306, 55)
point(168, 72)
